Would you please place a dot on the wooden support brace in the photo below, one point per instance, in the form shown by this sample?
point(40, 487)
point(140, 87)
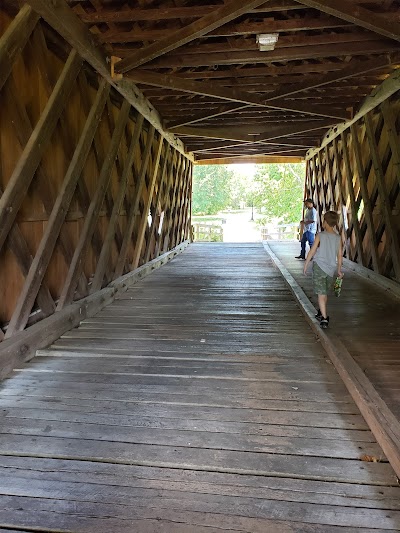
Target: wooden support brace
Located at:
point(45, 250)
point(366, 199)
point(106, 250)
point(384, 197)
point(14, 40)
point(353, 205)
point(76, 266)
point(22, 176)
point(146, 207)
point(119, 269)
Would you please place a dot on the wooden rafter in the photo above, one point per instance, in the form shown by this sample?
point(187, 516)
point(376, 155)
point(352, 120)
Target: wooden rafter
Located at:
point(230, 30)
point(209, 22)
point(133, 15)
point(358, 15)
point(232, 95)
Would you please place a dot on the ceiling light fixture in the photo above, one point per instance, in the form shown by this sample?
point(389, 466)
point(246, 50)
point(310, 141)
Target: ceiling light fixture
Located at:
point(267, 41)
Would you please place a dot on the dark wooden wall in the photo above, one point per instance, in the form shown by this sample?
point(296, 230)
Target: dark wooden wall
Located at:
point(89, 189)
point(357, 173)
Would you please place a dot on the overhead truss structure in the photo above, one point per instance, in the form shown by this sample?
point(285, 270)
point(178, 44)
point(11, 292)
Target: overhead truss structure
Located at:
point(199, 65)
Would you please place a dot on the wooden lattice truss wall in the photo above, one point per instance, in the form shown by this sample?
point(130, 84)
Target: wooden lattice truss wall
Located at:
point(356, 172)
point(90, 189)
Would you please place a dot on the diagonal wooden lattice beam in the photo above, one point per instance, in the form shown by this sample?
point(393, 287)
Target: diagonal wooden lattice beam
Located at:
point(123, 253)
point(390, 227)
point(24, 171)
point(20, 249)
point(156, 203)
point(14, 39)
point(92, 215)
point(358, 15)
point(108, 239)
point(368, 211)
point(47, 244)
point(143, 221)
point(189, 33)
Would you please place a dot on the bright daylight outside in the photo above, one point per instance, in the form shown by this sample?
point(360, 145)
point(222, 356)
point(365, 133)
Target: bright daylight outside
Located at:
point(247, 202)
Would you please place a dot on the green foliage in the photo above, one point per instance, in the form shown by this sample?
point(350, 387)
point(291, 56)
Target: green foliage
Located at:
point(279, 191)
point(211, 188)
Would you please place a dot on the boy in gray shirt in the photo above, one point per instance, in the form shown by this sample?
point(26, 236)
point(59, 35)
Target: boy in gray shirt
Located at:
point(327, 251)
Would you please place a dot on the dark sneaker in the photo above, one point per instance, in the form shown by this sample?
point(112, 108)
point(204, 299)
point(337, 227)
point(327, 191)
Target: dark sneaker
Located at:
point(299, 257)
point(324, 322)
point(318, 316)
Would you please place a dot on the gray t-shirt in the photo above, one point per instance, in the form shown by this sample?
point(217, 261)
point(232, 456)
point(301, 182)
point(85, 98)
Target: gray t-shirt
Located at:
point(326, 254)
point(311, 214)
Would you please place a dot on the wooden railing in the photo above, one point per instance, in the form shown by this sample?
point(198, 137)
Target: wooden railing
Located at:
point(281, 232)
point(207, 232)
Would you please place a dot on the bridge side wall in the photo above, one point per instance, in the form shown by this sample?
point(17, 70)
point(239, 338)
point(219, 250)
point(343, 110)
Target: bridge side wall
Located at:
point(90, 190)
point(357, 174)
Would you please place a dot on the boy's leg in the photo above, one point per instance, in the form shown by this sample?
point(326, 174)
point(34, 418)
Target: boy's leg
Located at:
point(322, 303)
point(311, 238)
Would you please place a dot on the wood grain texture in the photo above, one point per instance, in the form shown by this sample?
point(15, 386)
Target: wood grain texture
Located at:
point(198, 401)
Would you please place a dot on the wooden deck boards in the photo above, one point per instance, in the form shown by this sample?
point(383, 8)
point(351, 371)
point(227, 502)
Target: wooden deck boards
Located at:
point(201, 401)
point(366, 318)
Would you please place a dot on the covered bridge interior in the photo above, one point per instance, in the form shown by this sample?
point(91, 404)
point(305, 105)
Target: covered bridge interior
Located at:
point(203, 398)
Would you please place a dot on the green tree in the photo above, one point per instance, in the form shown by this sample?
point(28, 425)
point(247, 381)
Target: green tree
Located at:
point(278, 191)
point(211, 189)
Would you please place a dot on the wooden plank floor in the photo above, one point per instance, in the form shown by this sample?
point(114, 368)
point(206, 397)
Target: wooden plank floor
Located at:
point(365, 317)
point(199, 402)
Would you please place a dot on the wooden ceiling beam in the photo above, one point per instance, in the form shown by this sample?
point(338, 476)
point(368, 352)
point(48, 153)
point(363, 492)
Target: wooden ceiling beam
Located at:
point(375, 22)
point(294, 53)
point(170, 13)
point(249, 45)
point(273, 132)
point(229, 30)
point(223, 110)
point(255, 159)
point(209, 89)
point(200, 27)
point(262, 71)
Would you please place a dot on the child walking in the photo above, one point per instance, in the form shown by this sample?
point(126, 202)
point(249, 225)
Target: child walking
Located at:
point(327, 252)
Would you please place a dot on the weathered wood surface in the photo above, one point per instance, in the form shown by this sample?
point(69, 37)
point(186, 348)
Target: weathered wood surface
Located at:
point(366, 320)
point(199, 401)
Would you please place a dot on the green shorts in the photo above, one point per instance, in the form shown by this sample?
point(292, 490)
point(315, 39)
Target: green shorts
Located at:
point(322, 282)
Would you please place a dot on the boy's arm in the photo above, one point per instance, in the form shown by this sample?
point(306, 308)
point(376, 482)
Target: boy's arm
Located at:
point(340, 260)
point(311, 253)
